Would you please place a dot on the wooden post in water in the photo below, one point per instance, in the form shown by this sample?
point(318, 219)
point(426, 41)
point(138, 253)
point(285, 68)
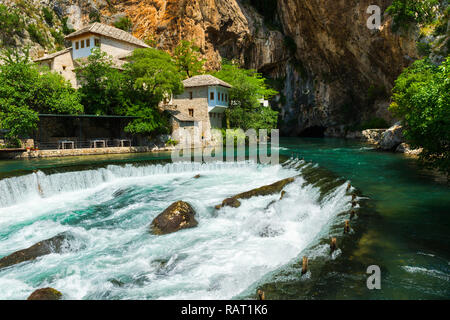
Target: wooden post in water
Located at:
point(349, 185)
point(333, 245)
point(261, 295)
point(304, 265)
point(352, 214)
point(347, 226)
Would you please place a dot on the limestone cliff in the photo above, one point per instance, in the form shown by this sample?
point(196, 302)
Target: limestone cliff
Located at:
point(330, 69)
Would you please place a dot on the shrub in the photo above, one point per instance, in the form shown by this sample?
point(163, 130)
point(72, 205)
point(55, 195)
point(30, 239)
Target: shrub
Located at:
point(172, 142)
point(66, 29)
point(36, 35)
point(48, 16)
point(421, 99)
point(124, 23)
point(11, 23)
point(407, 12)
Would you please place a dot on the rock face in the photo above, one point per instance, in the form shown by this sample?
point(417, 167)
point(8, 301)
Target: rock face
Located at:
point(53, 245)
point(329, 68)
point(178, 216)
point(261, 191)
point(45, 294)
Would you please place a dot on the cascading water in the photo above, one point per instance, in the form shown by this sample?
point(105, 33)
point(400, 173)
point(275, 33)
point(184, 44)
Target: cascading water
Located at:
point(109, 210)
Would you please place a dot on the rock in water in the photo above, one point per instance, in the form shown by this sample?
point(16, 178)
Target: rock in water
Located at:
point(392, 137)
point(45, 294)
point(52, 245)
point(262, 191)
point(179, 215)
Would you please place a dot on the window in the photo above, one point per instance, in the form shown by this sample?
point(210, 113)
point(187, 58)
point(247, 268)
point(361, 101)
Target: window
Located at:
point(226, 98)
point(97, 42)
point(88, 43)
point(77, 45)
point(222, 97)
point(211, 96)
point(191, 112)
point(191, 96)
point(82, 44)
point(64, 68)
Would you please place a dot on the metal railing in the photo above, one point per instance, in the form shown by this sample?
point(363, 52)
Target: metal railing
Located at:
point(82, 144)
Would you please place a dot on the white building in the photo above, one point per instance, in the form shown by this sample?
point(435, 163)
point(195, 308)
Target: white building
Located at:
point(115, 42)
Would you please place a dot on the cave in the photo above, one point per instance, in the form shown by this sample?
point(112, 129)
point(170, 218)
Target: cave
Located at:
point(313, 132)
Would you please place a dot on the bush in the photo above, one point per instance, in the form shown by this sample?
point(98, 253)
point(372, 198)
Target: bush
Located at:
point(36, 35)
point(124, 23)
point(58, 36)
point(424, 48)
point(94, 16)
point(11, 23)
point(421, 98)
point(407, 12)
point(172, 142)
point(66, 29)
point(48, 16)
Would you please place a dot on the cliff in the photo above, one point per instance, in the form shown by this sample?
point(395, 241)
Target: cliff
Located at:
point(331, 70)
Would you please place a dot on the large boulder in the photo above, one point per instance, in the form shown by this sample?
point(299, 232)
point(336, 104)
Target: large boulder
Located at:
point(373, 136)
point(45, 294)
point(178, 216)
point(392, 138)
point(52, 245)
point(261, 191)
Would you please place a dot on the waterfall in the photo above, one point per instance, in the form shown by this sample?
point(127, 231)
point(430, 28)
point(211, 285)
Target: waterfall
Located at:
point(38, 184)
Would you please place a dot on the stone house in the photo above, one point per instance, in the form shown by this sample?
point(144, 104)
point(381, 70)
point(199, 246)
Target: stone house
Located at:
point(202, 105)
point(115, 42)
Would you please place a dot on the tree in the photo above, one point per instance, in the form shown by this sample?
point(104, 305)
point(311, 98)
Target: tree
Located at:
point(187, 59)
point(26, 91)
point(421, 97)
point(102, 86)
point(407, 12)
point(153, 76)
point(249, 87)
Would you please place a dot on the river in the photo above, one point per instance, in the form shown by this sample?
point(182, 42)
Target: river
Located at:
point(402, 225)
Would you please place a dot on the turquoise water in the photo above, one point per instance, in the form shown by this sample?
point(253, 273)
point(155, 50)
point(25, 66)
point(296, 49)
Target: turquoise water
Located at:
point(402, 225)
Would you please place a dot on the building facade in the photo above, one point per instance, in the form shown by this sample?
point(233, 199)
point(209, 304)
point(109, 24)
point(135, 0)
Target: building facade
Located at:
point(115, 42)
point(202, 105)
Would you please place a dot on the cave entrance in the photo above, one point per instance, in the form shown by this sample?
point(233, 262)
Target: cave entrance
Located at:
point(313, 132)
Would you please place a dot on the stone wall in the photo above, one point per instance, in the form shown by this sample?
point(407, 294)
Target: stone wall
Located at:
point(199, 103)
point(80, 152)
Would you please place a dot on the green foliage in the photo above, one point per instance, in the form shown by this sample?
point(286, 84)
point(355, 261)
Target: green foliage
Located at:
point(172, 142)
point(26, 90)
point(58, 36)
point(36, 35)
point(442, 23)
point(153, 76)
point(248, 88)
point(424, 48)
point(11, 23)
point(65, 27)
point(102, 90)
point(124, 23)
point(407, 12)
point(48, 16)
point(137, 91)
point(421, 97)
point(187, 59)
point(94, 16)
